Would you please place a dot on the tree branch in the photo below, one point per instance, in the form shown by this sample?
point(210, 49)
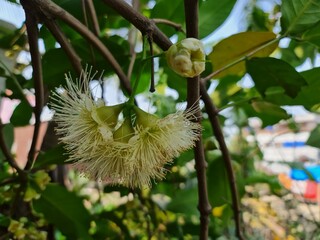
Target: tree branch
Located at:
point(176, 26)
point(193, 95)
point(144, 24)
point(50, 10)
point(93, 16)
point(65, 44)
point(33, 34)
point(212, 112)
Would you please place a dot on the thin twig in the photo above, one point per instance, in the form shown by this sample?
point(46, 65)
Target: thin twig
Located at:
point(176, 26)
point(48, 9)
point(8, 181)
point(212, 113)
point(132, 39)
point(33, 34)
point(93, 17)
point(86, 23)
point(150, 41)
point(65, 44)
point(193, 95)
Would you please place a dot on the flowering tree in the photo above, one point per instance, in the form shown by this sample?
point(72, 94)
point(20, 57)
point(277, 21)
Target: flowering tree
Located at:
point(172, 171)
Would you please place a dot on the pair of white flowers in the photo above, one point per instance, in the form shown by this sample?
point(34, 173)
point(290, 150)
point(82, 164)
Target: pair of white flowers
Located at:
point(134, 152)
point(131, 153)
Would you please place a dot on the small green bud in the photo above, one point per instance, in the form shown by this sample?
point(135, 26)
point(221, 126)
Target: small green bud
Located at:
point(41, 178)
point(187, 58)
point(124, 132)
point(107, 115)
point(30, 194)
point(145, 119)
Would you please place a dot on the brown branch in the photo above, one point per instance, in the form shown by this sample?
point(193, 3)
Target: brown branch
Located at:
point(150, 41)
point(50, 10)
point(140, 22)
point(65, 44)
point(193, 95)
point(132, 36)
point(33, 34)
point(176, 26)
point(212, 112)
point(86, 23)
point(93, 16)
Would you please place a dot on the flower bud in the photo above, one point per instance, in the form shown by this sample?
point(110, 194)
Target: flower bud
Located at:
point(30, 194)
point(187, 58)
point(41, 178)
point(145, 119)
point(124, 132)
point(107, 115)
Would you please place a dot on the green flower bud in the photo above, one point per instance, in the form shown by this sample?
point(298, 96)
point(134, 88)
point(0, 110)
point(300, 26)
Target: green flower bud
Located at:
point(145, 119)
point(107, 115)
point(14, 226)
point(187, 58)
point(124, 132)
point(41, 178)
point(30, 194)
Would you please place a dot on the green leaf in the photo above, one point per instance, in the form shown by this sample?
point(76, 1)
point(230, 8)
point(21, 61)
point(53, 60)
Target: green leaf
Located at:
point(312, 35)
point(170, 10)
point(271, 72)
point(299, 15)
point(56, 155)
point(314, 138)
point(226, 88)
point(65, 210)
point(298, 52)
point(259, 177)
point(21, 114)
point(307, 97)
point(55, 65)
point(238, 46)
point(267, 118)
point(8, 134)
point(212, 14)
point(218, 183)
point(184, 201)
point(269, 109)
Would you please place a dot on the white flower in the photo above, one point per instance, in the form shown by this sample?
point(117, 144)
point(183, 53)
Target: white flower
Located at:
point(187, 58)
point(83, 124)
point(134, 154)
point(157, 141)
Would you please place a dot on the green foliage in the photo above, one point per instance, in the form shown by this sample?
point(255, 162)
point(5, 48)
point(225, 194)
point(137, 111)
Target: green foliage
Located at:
point(272, 73)
point(65, 210)
point(22, 114)
point(314, 138)
point(298, 16)
point(8, 137)
point(83, 209)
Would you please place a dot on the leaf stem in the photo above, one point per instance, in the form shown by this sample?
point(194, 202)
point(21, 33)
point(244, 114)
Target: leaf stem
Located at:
point(33, 34)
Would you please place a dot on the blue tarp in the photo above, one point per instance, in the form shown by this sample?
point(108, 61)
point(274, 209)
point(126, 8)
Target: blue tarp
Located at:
point(300, 174)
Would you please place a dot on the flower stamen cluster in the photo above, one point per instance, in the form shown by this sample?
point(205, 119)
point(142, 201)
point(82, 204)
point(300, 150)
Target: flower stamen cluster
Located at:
point(133, 153)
